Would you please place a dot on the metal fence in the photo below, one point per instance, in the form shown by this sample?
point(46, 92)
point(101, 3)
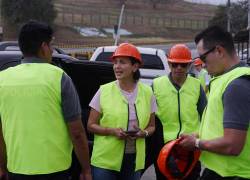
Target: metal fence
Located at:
point(101, 20)
point(242, 48)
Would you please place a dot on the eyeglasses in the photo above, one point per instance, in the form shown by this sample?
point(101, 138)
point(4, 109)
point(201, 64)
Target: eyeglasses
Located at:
point(204, 55)
point(183, 65)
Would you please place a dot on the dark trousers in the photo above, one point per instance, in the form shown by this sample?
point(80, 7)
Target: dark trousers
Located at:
point(209, 174)
point(62, 175)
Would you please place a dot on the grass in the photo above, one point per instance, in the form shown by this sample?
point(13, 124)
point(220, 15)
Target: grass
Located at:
point(148, 30)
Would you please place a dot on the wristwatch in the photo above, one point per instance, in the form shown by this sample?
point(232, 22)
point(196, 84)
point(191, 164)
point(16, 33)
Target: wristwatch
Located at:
point(197, 143)
point(146, 133)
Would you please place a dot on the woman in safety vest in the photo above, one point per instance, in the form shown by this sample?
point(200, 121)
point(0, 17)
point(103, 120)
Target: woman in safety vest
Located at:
point(122, 115)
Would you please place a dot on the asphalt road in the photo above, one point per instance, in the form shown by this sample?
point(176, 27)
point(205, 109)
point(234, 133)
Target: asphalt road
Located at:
point(149, 174)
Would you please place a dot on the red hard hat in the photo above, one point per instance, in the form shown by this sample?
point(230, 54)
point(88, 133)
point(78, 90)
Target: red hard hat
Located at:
point(174, 162)
point(180, 53)
point(198, 62)
point(127, 50)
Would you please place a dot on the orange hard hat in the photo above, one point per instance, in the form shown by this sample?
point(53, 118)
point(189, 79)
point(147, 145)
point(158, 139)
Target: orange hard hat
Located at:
point(174, 162)
point(127, 50)
point(180, 53)
point(198, 62)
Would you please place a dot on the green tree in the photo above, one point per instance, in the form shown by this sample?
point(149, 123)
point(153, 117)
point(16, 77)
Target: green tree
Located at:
point(17, 12)
point(238, 14)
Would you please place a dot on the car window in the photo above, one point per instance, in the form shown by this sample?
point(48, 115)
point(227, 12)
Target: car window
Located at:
point(12, 48)
point(149, 61)
point(105, 56)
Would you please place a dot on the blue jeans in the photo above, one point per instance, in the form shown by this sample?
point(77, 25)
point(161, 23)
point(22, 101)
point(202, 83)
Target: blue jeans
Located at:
point(127, 171)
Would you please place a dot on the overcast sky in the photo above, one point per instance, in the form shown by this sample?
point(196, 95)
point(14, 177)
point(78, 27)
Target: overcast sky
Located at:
point(212, 1)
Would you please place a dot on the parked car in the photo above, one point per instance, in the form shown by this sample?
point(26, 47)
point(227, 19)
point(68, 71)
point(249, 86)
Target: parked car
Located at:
point(244, 55)
point(13, 58)
point(5, 44)
point(13, 46)
point(154, 61)
point(9, 59)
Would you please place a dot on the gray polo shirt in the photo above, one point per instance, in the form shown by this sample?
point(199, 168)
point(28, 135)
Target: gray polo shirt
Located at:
point(71, 107)
point(236, 103)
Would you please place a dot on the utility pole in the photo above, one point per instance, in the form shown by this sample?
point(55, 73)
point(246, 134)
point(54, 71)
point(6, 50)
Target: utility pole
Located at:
point(119, 25)
point(228, 16)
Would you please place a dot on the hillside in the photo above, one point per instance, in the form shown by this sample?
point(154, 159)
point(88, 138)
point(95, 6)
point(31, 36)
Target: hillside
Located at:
point(168, 7)
point(159, 22)
point(169, 19)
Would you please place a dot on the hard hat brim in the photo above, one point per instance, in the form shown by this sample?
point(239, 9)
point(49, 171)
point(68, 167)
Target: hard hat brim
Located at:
point(138, 60)
point(184, 61)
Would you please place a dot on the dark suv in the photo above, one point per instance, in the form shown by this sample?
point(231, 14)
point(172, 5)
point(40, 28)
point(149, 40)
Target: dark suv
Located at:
point(13, 46)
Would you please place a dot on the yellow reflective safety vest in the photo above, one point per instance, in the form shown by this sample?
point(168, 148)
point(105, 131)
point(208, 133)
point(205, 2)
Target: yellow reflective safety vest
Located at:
point(34, 130)
point(177, 110)
point(212, 127)
point(108, 151)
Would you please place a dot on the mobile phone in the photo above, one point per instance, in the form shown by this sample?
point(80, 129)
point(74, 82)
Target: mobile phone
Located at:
point(131, 132)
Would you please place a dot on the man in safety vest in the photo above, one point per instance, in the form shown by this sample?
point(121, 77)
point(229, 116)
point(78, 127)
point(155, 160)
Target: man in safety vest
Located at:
point(202, 74)
point(224, 133)
point(40, 114)
point(180, 99)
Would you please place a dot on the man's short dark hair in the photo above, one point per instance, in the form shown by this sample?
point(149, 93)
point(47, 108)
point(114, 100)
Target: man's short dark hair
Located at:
point(32, 35)
point(215, 35)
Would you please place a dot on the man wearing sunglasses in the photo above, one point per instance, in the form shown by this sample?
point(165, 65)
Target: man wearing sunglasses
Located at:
point(180, 99)
point(224, 133)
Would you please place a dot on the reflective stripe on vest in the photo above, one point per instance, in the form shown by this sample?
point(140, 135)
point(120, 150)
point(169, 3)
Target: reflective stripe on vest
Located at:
point(108, 151)
point(212, 127)
point(34, 129)
point(177, 110)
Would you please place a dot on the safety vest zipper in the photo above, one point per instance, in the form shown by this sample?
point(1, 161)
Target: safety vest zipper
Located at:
point(179, 114)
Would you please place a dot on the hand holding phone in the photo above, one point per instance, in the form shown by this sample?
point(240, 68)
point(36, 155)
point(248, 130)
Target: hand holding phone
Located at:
point(131, 132)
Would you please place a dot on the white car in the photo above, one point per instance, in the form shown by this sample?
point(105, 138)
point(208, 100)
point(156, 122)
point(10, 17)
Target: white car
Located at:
point(244, 55)
point(154, 61)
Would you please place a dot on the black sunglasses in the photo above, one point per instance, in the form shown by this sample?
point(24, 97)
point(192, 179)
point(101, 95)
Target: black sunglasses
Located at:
point(204, 55)
point(183, 65)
